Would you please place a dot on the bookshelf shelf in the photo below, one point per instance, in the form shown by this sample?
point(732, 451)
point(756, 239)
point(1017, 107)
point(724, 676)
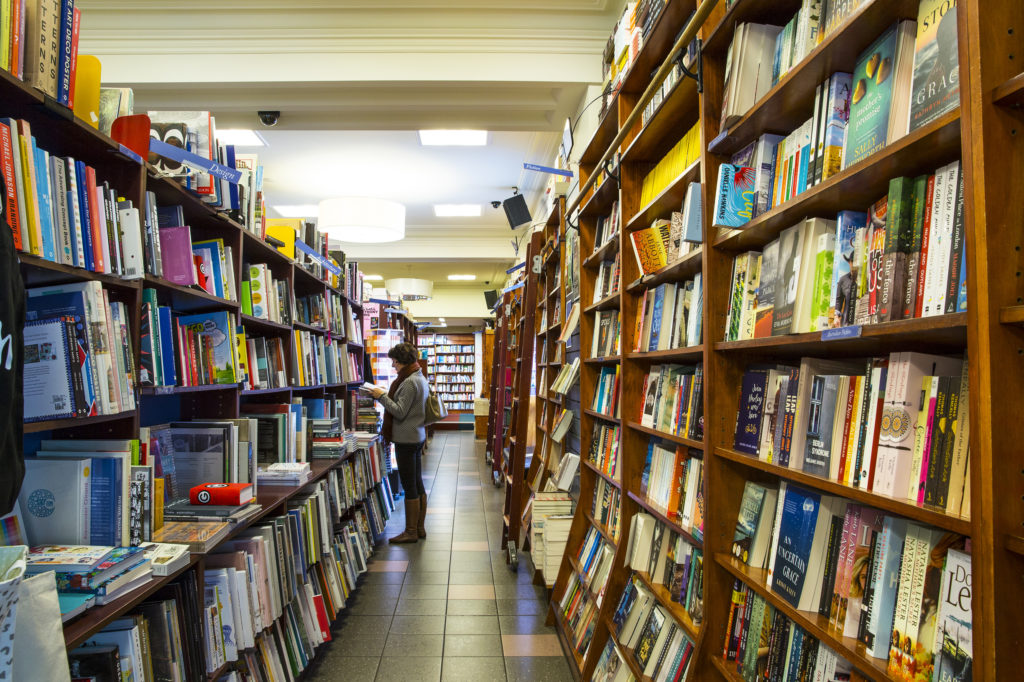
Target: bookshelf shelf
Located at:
point(583, 579)
point(1015, 544)
point(1010, 93)
point(307, 281)
point(262, 325)
point(600, 201)
point(598, 415)
point(660, 514)
point(607, 303)
point(177, 390)
point(606, 360)
point(657, 44)
point(605, 132)
point(593, 467)
point(948, 332)
point(684, 268)
point(724, 669)
point(600, 528)
point(39, 271)
point(666, 436)
point(848, 647)
point(264, 391)
point(689, 354)
point(310, 328)
point(258, 251)
point(903, 507)
point(667, 200)
point(789, 103)
point(1012, 314)
point(75, 422)
point(922, 151)
point(602, 253)
point(718, 35)
point(676, 609)
point(186, 298)
point(626, 653)
point(677, 113)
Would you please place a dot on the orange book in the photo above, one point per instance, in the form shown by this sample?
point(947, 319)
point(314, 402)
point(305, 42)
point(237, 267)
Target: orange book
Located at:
point(680, 478)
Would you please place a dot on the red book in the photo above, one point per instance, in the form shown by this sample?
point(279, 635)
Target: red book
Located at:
point(221, 494)
point(17, 38)
point(7, 168)
point(74, 56)
point(98, 223)
point(321, 617)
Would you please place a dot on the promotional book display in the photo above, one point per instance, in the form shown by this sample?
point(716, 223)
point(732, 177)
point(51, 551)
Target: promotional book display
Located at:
point(825, 424)
point(452, 362)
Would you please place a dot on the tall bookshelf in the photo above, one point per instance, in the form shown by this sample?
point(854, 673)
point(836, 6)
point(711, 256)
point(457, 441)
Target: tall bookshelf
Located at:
point(985, 133)
point(452, 362)
point(57, 131)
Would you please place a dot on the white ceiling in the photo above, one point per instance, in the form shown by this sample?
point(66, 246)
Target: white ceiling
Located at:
point(354, 80)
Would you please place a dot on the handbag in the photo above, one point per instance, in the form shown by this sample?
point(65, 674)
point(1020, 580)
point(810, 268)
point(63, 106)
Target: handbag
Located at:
point(434, 411)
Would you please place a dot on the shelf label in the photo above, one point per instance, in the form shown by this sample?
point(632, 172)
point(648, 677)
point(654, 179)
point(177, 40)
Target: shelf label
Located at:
point(194, 161)
point(130, 154)
point(328, 265)
point(851, 332)
point(547, 169)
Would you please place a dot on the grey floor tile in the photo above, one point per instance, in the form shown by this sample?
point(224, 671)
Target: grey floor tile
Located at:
point(526, 624)
point(378, 591)
point(427, 578)
point(510, 607)
point(371, 607)
point(537, 669)
point(413, 645)
point(418, 625)
point(472, 645)
point(406, 668)
point(465, 669)
point(362, 625)
point(472, 607)
point(471, 625)
point(381, 578)
point(421, 607)
point(424, 591)
point(358, 645)
point(462, 577)
point(351, 669)
point(520, 591)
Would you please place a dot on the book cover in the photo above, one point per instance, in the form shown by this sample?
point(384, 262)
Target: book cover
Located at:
point(954, 627)
point(55, 500)
point(820, 286)
point(739, 278)
point(176, 255)
point(870, 102)
point(217, 329)
point(748, 422)
point(899, 234)
point(886, 580)
point(845, 270)
point(650, 249)
point(764, 312)
point(787, 274)
point(751, 508)
point(858, 575)
point(734, 195)
point(50, 351)
point(795, 536)
point(936, 82)
point(818, 446)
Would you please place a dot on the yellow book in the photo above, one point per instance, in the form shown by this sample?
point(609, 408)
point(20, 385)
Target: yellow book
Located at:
point(298, 357)
point(87, 89)
point(35, 233)
point(286, 230)
point(5, 34)
point(158, 504)
point(243, 358)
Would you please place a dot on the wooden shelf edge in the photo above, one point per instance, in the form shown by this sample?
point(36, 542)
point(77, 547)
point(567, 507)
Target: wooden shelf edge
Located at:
point(605, 533)
point(1011, 92)
point(689, 264)
point(663, 517)
point(598, 256)
point(605, 303)
point(939, 519)
point(817, 626)
point(597, 415)
point(666, 436)
point(590, 465)
point(687, 353)
point(75, 422)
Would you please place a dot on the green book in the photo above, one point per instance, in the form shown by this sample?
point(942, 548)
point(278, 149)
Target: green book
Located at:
point(246, 298)
point(918, 201)
point(871, 100)
point(898, 235)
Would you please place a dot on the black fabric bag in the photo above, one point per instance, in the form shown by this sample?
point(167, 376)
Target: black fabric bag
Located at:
point(12, 352)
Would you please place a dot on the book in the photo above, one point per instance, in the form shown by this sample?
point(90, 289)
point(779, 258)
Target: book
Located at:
point(56, 501)
point(748, 422)
point(734, 196)
point(954, 640)
point(936, 83)
point(753, 525)
point(65, 558)
point(221, 494)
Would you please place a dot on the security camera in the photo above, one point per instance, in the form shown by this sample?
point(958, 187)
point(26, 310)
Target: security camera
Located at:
point(496, 204)
point(269, 118)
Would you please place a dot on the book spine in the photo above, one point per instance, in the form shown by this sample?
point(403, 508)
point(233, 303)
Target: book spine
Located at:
point(956, 251)
point(11, 202)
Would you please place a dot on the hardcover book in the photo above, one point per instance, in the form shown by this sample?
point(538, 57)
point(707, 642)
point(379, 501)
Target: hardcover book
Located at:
point(796, 526)
point(845, 269)
point(936, 83)
point(748, 422)
point(872, 97)
point(752, 506)
point(650, 246)
point(764, 313)
point(818, 446)
point(734, 196)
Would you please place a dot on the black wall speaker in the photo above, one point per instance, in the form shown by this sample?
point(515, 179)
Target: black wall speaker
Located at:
point(516, 211)
point(491, 297)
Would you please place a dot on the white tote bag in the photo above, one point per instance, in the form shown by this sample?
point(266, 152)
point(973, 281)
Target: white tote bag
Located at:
point(39, 653)
point(12, 568)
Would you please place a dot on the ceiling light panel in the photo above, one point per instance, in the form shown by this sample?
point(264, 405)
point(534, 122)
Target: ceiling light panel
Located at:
point(461, 278)
point(240, 137)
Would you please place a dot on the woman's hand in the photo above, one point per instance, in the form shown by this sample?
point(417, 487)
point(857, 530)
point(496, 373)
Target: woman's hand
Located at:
point(377, 392)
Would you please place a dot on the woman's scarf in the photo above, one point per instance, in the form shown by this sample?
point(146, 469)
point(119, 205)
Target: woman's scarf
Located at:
point(406, 372)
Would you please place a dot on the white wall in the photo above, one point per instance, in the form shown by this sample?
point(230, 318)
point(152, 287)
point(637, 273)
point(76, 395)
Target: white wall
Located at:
point(451, 302)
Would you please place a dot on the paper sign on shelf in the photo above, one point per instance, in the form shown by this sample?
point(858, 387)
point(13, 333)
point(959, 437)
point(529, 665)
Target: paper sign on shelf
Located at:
point(194, 161)
point(547, 169)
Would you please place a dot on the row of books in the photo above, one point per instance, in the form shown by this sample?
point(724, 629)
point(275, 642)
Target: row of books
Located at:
point(903, 259)
point(659, 645)
point(607, 227)
point(673, 481)
point(40, 46)
point(321, 361)
point(594, 560)
point(612, 666)
point(667, 241)
point(609, 278)
point(669, 561)
point(895, 425)
point(79, 354)
point(684, 154)
point(604, 448)
point(607, 339)
point(581, 613)
point(672, 78)
point(671, 316)
point(265, 296)
point(896, 586)
point(606, 395)
point(606, 507)
point(566, 377)
point(763, 643)
point(673, 400)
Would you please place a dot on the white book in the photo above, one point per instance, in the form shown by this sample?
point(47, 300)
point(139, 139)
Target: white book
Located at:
point(55, 501)
point(131, 243)
point(125, 495)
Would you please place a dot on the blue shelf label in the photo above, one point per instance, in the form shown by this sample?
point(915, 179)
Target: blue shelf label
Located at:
point(851, 332)
point(130, 154)
point(194, 161)
point(548, 169)
point(328, 265)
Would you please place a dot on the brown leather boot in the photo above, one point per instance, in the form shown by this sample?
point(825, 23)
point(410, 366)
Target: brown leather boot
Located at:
point(412, 513)
point(421, 528)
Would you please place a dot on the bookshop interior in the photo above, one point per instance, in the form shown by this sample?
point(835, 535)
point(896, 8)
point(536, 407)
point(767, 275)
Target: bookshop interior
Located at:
point(369, 340)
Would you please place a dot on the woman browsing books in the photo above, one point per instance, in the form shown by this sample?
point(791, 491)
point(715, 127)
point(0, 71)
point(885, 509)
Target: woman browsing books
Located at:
point(404, 408)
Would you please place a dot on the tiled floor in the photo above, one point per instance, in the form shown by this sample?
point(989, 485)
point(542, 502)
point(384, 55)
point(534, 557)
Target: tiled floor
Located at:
point(448, 607)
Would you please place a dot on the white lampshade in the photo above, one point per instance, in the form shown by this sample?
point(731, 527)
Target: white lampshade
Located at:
point(411, 289)
point(362, 219)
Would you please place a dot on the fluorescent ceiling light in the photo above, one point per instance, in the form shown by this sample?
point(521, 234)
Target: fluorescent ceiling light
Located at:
point(453, 138)
point(363, 220)
point(457, 210)
point(461, 278)
point(373, 277)
point(297, 211)
point(240, 137)
point(440, 319)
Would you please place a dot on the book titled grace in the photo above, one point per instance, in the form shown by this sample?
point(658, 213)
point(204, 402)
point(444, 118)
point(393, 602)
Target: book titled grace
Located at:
point(796, 535)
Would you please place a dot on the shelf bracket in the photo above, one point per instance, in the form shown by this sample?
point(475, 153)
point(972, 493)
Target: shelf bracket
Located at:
point(612, 172)
point(698, 74)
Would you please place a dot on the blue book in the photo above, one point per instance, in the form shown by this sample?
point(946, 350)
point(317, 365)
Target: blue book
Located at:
point(170, 216)
point(871, 101)
point(844, 278)
point(659, 302)
point(734, 195)
point(796, 535)
point(83, 211)
point(885, 580)
point(166, 337)
point(42, 160)
point(217, 328)
point(795, 651)
point(645, 477)
point(961, 297)
point(229, 161)
point(70, 304)
point(106, 489)
point(67, 18)
point(316, 408)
